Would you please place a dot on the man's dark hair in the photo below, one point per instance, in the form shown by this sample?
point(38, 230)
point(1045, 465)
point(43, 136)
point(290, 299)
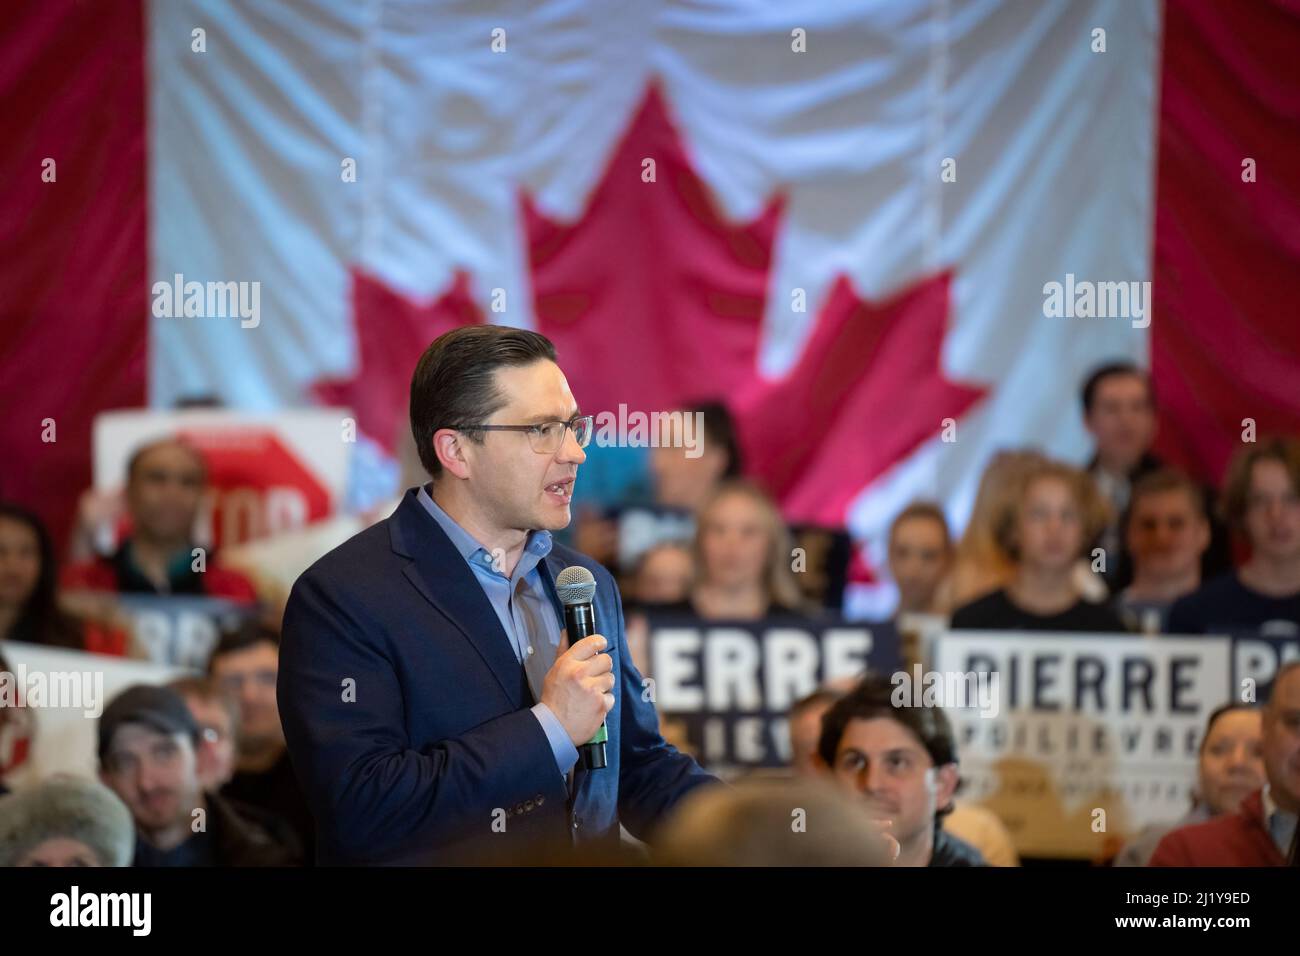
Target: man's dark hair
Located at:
point(720, 431)
point(922, 509)
point(139, 453)
point(1109, 370)
point(1161, 481)
point(871, 699)
point(247, 634)
point(454, 383)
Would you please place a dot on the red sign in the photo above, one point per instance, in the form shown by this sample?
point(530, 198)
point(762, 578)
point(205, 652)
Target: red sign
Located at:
point(259, 487)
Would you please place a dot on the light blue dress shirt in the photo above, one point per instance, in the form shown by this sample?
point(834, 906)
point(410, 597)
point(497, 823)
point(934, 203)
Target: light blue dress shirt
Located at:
point(1281, 825)
point(523, 607)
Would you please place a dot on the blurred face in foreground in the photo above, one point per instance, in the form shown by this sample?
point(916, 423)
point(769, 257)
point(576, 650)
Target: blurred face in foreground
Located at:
point(1232, 760)
point(887, 764)
point(59, 851)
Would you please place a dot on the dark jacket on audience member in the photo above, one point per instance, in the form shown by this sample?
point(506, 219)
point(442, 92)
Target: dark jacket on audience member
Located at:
point(276, 790)
point(1231, 839)
point(236, 835)
point(1224, 605)
point(952, 851)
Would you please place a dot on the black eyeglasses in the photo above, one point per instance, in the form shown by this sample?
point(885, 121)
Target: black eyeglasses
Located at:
point(545, 437)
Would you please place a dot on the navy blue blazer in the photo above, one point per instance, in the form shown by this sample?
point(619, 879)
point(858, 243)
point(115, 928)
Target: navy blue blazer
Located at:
point(406, 712)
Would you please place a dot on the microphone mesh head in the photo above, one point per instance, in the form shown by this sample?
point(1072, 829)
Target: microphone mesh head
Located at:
point(575, 585)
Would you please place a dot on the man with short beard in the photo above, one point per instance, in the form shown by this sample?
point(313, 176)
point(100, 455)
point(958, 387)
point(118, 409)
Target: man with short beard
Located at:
point(148, 756)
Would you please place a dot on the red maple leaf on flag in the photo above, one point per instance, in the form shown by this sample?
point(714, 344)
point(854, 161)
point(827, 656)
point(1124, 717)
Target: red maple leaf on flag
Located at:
point(392, 331)
point(866, 391)
point(654, 300)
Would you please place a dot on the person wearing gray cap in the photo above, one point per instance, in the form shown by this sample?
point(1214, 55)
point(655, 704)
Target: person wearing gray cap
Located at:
point(149, 755)
point(65, 821)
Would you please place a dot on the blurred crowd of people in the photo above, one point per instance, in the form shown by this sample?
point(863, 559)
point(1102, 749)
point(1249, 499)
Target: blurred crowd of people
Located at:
point(1124, 543)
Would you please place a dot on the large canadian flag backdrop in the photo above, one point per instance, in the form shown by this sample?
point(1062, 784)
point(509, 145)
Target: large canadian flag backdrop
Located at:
point(837, 216)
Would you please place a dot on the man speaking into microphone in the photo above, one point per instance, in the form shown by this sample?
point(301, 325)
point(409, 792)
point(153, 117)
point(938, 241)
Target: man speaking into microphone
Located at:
point(432, 708)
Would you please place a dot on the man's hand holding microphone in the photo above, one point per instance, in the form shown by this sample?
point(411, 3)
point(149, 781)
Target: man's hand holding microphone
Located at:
point(578, 688)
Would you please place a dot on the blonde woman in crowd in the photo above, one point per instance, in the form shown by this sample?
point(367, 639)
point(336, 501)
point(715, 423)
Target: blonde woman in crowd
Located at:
point(979, 565)
point(743, 558)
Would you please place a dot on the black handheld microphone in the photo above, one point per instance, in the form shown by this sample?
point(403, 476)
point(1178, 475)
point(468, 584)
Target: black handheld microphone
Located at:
point(576, 587)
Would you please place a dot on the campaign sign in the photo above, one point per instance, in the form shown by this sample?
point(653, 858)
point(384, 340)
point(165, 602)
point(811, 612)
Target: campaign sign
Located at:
point(1093, 736)
point(728, 686)
point(1256, 659)
point(56, 737)
point(268, 473)
point(180, 630)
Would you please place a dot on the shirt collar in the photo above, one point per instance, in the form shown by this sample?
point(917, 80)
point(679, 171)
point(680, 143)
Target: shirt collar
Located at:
point(536, 547)
point(1270, 806)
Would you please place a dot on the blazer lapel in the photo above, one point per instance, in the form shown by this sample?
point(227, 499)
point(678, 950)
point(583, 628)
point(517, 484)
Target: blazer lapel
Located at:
point(446, 581)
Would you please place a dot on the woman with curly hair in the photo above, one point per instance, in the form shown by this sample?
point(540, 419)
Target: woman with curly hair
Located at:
point(1046, 525)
